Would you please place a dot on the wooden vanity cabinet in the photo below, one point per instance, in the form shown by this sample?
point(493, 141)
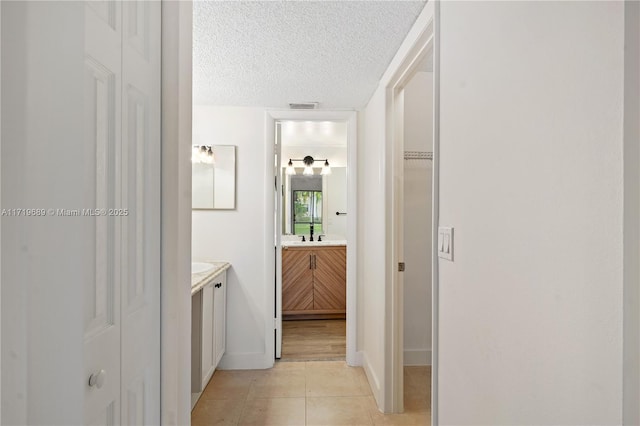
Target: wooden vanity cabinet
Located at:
point(314, 281)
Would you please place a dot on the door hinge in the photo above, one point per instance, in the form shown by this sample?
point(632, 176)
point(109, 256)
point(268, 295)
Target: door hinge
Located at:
point(401, 266)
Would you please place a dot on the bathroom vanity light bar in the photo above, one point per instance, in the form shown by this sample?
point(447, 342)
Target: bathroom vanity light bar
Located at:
point(308, 162)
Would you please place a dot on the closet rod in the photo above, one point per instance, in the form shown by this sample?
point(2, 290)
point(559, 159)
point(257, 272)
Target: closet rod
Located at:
point(418, 155)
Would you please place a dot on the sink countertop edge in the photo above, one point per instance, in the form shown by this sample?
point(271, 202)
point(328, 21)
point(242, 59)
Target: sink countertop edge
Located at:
point(313, 243)
point(201, 279)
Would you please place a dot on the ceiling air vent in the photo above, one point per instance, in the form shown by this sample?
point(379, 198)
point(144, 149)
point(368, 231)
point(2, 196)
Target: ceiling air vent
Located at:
point(304, 105)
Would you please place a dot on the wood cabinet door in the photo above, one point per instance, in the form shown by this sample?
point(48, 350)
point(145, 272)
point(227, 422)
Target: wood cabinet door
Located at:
point(330, 278)
point(297, 280)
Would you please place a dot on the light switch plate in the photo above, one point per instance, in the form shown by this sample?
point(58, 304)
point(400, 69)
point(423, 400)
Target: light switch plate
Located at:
point(445, 242)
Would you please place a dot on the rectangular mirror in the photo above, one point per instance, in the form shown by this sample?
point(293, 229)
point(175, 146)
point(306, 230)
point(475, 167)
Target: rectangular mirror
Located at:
point(315, 199)
point(213, 184)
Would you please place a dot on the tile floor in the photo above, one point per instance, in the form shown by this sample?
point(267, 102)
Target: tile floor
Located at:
point(322, 393)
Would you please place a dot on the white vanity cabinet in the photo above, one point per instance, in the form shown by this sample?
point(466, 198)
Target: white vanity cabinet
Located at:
point(208, 330)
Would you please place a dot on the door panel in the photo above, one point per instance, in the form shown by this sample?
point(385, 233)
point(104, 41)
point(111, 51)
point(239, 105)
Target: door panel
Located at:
point(141, 225)
point(122, 298)
point(329, 285)
point(102, 87)
point(297, 280)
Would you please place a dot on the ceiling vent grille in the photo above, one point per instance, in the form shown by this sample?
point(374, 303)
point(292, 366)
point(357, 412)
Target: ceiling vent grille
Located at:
point(304, 105)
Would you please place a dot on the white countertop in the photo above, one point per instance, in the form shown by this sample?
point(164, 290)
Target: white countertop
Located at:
point(200, 280)
point(308, 243)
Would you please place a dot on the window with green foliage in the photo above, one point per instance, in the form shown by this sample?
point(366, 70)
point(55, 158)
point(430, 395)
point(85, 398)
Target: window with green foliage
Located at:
point(307, 209)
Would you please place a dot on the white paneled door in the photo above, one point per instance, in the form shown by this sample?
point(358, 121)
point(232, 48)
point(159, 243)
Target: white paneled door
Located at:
point(122, 160)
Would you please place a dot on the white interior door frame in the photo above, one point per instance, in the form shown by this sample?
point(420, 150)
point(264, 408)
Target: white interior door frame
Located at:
point(175, 340)
point(350, 117)
point(394, 356)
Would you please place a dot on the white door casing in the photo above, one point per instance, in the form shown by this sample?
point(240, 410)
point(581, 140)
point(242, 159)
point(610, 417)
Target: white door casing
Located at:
point(277, 172)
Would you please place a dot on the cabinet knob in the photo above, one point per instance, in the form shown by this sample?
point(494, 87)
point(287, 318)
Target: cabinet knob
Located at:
point(97, 379)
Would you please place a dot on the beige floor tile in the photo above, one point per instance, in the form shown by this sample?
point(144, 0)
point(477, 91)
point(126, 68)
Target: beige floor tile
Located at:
point(289, 365)
point(335, 411)
point(416, 403)
point(229, 384)
point(274, 411)
point(343, 382)
point(416, 419)
point(418, 376)
point(323, 365)
point(278, 383)
point(216, 412)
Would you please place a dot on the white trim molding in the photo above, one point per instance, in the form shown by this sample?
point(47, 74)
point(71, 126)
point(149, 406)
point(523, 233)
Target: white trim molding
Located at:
point(175, 243)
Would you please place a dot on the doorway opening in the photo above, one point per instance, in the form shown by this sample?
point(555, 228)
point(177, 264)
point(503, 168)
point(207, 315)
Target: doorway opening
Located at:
point(412, 175)
point(311, 212)
point(314, 203)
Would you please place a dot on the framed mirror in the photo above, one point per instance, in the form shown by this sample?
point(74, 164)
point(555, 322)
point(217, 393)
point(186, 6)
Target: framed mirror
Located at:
point(213, 184)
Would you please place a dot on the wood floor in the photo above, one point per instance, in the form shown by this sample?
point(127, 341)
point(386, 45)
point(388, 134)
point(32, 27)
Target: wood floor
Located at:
point(314, 340)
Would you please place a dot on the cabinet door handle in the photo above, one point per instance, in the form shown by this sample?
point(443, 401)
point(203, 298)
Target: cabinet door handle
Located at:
point(310, 262)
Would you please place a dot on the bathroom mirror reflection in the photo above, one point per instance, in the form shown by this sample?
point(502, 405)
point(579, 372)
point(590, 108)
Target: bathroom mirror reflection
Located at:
point(314, 199)
point(213, 184)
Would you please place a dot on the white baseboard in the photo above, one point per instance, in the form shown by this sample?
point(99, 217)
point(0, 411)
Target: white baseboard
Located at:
point(417, 357)
point(245, 361)
point(374, 383)
point(357, 360)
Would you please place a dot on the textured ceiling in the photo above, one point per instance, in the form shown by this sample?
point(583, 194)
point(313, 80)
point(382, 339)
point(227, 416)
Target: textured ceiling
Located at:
point(270, 53)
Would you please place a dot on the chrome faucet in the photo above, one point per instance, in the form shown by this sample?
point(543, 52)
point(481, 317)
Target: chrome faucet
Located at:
point(311, 232)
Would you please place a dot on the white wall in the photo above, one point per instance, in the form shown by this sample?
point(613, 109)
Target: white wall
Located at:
point(531, 175)
point(418, 136)
point(335, 200)
point(631, 414)
point(237, 236)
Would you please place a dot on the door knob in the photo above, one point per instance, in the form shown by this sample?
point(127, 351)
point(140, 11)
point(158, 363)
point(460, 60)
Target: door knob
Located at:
point(97, 380)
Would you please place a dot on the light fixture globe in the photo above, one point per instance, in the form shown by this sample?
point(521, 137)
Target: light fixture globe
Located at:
point(290, 169)
point(308, 162)
point(326, 169)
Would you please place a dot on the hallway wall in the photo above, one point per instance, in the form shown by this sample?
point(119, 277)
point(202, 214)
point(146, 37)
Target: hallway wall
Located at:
point(418, 136)
point(237, 236)
point(531, 178)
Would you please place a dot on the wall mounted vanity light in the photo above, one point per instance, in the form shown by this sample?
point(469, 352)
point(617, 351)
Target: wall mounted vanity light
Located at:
point(308, 163)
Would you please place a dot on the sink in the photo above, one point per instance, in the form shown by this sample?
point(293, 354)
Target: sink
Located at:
point(200, 267)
